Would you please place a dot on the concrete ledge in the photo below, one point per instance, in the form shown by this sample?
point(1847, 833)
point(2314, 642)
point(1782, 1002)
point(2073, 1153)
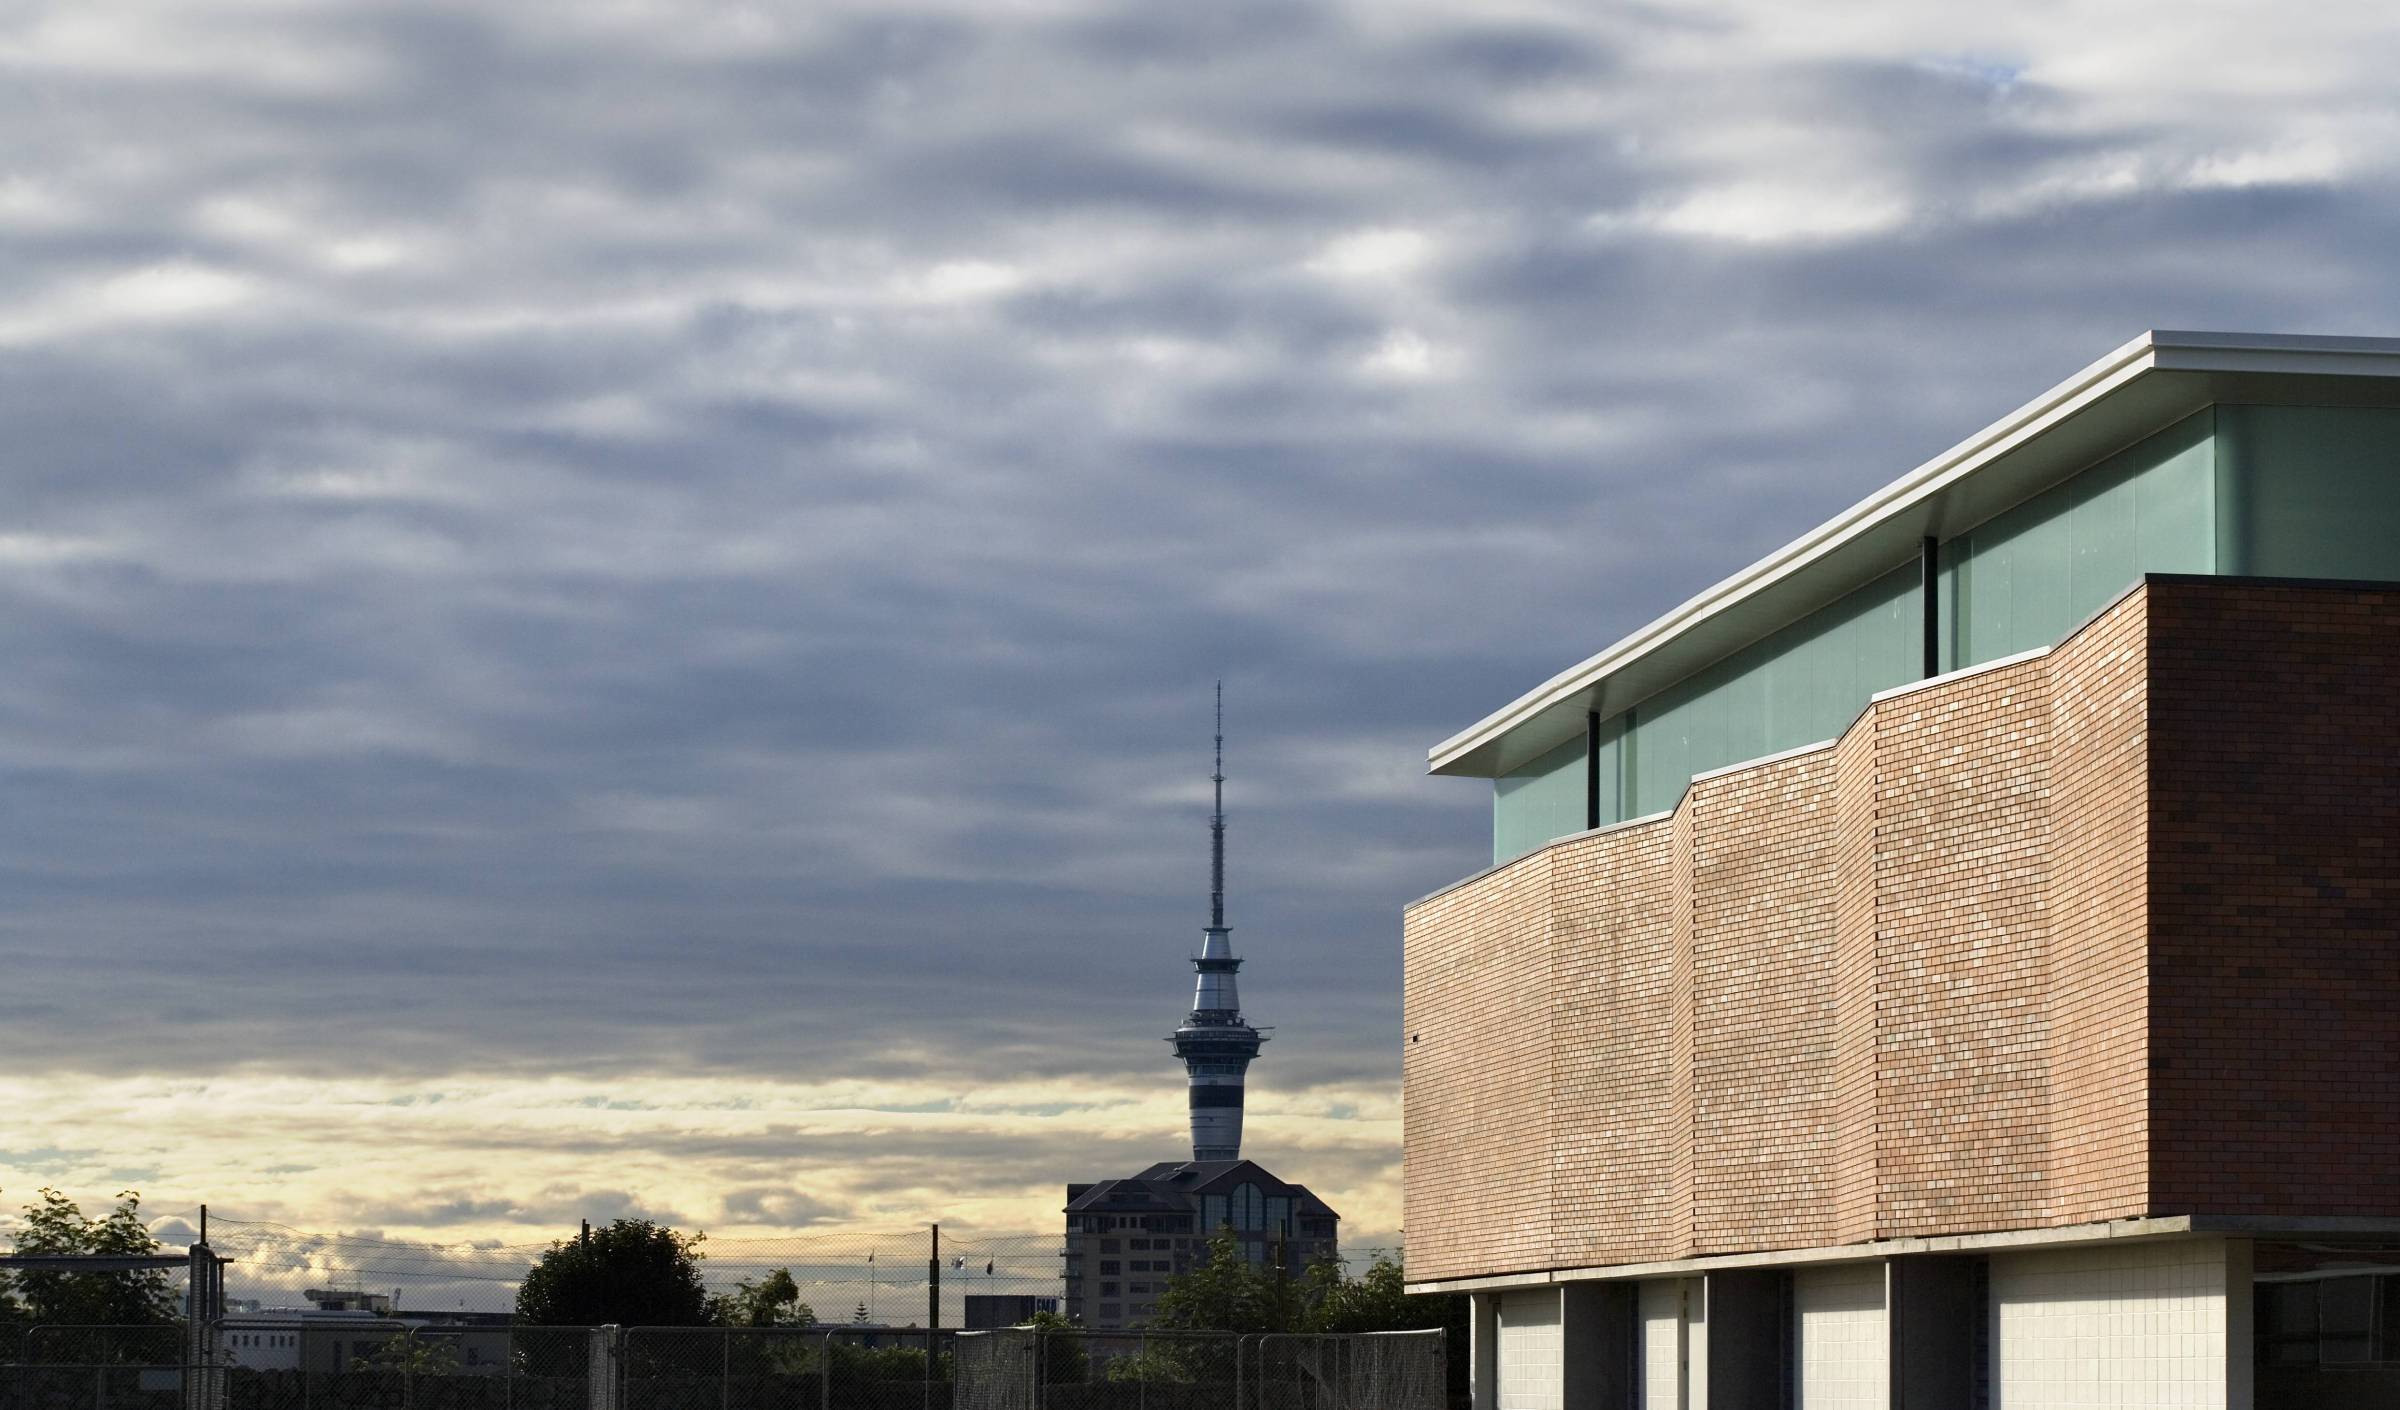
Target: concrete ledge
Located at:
point(2166, 1227)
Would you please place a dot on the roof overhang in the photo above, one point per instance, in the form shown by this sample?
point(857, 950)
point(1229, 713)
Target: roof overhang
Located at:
point(2143, 387)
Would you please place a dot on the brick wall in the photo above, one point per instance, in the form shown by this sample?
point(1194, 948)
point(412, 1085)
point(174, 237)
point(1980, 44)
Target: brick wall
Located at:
point(1962, 876)
point(2275, 911)
point(2108, 932)
point(1613, 961)
point(2099, 979)
point(1763, 843)
point(1480, 1186)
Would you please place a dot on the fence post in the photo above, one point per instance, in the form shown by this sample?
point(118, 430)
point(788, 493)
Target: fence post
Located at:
point(825, 1373)
point(725, 1369)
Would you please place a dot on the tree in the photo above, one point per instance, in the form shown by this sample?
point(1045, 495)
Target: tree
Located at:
point(1157, 1366)
point(633, 1273)
point(772, 1301)
point(1060, 1344)
point(407, 1354)
point(1375, 1301)
point(1228, 1293)
point(135, 1298)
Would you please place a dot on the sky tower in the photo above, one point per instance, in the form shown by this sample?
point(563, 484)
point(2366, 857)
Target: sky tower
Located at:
point(1214, 1043)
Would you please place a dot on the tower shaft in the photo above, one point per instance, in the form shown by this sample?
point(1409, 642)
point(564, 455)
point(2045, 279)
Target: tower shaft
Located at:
point(1215, 1043)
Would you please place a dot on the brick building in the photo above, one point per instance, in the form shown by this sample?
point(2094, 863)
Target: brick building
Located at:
point(1955, 961)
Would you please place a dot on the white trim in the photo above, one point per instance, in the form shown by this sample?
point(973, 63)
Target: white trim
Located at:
point(2000, 663)
point(1764, 759)
point(2155, 351)
point(1495, 867)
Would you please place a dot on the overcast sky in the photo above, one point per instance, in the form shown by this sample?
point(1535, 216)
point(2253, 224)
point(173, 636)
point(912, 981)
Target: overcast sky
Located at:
point(611, 606)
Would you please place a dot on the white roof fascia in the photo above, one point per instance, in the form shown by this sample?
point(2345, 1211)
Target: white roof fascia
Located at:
point(2158, 350)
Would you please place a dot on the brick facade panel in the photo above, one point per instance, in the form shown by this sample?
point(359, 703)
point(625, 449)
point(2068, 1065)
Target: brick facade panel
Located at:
point(1763, 891)
point(2275, 911)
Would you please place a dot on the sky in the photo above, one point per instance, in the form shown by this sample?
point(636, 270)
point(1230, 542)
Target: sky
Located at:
point(610, 608)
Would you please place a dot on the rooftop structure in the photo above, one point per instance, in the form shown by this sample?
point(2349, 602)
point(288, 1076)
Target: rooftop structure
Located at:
point(1949, 961)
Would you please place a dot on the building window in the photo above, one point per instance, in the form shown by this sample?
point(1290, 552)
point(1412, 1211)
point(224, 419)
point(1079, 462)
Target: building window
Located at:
point(1111, 1312)
point(1108, 1290)
point(1249, 1208)
point(1108, 1267)
point(1213, 1214)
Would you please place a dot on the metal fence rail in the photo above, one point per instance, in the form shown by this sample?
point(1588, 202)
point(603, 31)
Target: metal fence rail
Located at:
point(1030, 1369)
point(369, 1363)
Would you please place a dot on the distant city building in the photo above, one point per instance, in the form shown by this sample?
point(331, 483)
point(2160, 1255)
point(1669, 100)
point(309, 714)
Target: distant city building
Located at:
point(988, 1310)
point(1127, 1238)
point(339, 1329)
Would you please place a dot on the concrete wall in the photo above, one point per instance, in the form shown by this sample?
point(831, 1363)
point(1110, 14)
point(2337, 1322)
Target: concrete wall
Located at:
point(1530, 1361)
point(2125, 1326)
point(1673, 1327)
point(1842, 1337)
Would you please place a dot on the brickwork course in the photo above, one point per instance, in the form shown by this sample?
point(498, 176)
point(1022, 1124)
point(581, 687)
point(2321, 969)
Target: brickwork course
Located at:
point(2108, 932)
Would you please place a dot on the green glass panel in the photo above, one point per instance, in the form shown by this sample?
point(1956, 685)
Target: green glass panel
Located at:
point(2104, 540)
point(1801, 685)
point(2318, 488)
point(1538, 802)
point(1609, 777)
point(2027, 577)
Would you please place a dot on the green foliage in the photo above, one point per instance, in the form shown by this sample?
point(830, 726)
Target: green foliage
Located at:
point(1064, 1361)
point(772, 1301)
point(1157, 1366)
point(56, 1224)
point(1228, 1294)
point(883, 1363)
point(633, 1273)
point(1375, 1301)
point(407, 1354)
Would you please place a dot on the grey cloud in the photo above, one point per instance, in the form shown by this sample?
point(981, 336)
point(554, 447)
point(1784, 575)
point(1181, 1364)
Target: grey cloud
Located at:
point(541, 541)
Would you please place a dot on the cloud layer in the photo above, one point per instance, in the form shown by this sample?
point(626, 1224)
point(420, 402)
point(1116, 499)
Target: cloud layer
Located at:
point(560, 549)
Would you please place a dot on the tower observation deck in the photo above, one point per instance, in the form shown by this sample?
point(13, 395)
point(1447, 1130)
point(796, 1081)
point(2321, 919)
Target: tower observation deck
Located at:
point(1214, 1043)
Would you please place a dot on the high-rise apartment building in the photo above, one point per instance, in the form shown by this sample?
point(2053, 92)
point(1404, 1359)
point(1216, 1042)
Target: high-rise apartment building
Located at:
point(1955, 960)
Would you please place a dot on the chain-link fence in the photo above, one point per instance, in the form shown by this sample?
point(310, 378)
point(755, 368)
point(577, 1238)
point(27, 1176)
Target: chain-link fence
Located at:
point(1028, 1369)
point(374, 1364)
point(786, 1368)
point(871, 1278)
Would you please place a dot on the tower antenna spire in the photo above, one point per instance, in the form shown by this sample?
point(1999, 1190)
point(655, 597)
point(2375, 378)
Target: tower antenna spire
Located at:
point(1216, 826)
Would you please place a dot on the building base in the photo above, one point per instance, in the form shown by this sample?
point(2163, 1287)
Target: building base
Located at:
point(2163, 1320)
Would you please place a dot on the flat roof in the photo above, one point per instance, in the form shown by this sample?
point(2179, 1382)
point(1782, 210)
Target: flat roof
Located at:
point(2141, 388)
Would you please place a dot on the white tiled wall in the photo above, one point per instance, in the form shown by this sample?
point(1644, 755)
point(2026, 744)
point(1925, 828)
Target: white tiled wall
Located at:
point(1532, 1374)
point(1674, 1335)
point(2128, 1327)
point(1844, 1351)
